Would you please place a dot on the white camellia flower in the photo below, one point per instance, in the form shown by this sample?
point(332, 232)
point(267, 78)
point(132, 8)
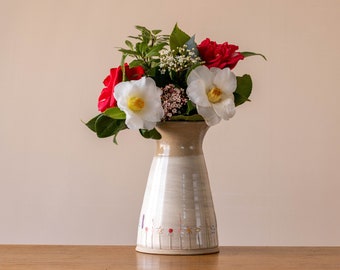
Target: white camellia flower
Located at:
point(212, 92)
point(141, 102)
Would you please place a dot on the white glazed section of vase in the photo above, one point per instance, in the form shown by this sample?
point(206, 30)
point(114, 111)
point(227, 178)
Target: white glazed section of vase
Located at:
point(177, 216)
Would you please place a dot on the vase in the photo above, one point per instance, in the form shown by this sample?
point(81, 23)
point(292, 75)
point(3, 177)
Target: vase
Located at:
point(177, 216)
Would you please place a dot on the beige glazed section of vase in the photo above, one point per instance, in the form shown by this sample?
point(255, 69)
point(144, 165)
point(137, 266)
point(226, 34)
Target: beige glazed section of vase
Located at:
point(177, 215)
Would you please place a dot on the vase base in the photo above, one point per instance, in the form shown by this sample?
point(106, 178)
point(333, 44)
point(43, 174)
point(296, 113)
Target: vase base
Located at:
point(200, 251)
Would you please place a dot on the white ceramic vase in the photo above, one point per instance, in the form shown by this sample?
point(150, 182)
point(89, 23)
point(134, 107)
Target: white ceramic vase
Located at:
point(177, 215)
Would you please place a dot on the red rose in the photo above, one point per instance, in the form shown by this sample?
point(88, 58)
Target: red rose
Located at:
point(219, 55)
point(106, 98)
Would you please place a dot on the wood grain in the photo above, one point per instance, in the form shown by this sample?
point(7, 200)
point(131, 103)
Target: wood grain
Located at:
point(38, 257)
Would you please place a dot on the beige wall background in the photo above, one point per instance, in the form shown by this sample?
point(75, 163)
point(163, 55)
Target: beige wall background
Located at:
point(274, 167)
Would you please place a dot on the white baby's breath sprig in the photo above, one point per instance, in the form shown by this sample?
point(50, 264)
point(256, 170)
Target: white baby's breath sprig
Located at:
point(178, 60)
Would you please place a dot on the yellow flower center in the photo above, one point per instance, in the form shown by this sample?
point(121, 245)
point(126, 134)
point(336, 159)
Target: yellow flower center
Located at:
point(135, 104)
point(214, 95)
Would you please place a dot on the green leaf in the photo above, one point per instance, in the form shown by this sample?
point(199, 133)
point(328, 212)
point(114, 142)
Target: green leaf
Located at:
point(190, 107)
point(106, 126)
point(139, 49)
point(92, 123)
point(150, 134)
point(129, 52)
point(143, 29)
point(120, 124)
point(120, 127)
point(181, 117)
point(136, 63)
point(243, 90)
point(129, 44)
point(139, 38)
point(178, 38)
point(156, 32)
point(155, 50)
point(247, 54)
point(152, 71)
point(192, 45)
point(115, 113)
point(115, 138)
point(145, 47)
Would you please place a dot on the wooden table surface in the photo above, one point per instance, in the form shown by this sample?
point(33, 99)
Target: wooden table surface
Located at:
point(38, 257)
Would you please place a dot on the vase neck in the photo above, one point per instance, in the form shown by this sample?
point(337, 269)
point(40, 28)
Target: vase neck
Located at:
point(180, 138)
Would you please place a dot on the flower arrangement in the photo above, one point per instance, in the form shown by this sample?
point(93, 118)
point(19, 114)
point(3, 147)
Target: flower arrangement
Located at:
point(170, 78)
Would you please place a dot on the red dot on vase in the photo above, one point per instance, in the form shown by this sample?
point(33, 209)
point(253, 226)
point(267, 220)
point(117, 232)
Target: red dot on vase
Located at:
point(171, 230)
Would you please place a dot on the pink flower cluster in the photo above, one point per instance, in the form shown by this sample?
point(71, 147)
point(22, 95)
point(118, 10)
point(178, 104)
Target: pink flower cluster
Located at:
point(173, 99)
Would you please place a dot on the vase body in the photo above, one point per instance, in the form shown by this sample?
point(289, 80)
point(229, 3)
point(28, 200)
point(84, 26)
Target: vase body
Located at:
point(177, 215)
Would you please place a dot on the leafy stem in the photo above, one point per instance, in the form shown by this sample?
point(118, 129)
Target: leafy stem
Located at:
point(146, 50)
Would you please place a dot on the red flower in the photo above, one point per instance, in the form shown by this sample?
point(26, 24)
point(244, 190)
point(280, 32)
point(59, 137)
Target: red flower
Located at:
point(219, 55)
point(106, 98)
